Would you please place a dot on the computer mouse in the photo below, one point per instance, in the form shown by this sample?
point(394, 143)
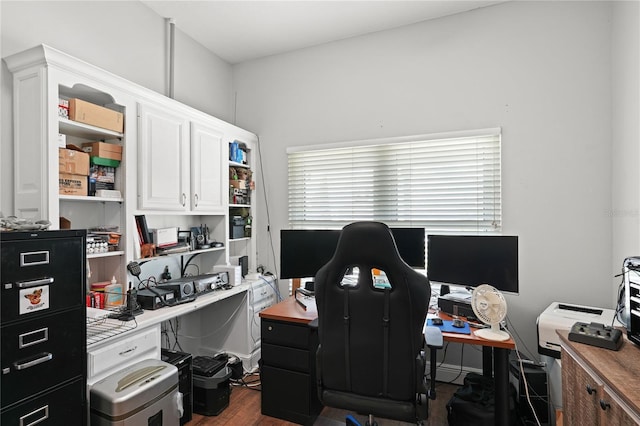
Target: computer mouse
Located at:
point(436, 321)
point(458, 323)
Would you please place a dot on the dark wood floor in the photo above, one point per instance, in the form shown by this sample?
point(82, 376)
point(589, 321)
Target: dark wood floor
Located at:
point(244, 409)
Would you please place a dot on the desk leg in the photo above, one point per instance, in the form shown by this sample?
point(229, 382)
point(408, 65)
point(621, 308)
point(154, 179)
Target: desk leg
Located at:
point(487, 361)
point(501, 367)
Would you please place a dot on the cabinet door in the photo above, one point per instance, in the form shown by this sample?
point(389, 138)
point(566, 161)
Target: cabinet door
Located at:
point(206, 168)
point(581, 393)
point(163, 159)
point(613, 410)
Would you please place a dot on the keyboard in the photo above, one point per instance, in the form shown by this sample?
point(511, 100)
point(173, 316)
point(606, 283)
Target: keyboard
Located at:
point(206, 366)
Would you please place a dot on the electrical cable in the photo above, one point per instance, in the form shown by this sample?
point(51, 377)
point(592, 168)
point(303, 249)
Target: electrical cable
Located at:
point(266, 202)
point(523, 377)
point(275, 288)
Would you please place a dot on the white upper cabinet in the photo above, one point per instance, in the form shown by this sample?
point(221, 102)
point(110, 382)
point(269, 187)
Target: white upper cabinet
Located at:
point(163, 159)
point(180, 162)
point(207, 173)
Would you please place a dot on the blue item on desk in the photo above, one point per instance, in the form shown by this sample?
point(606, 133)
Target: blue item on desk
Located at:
point(447, 327)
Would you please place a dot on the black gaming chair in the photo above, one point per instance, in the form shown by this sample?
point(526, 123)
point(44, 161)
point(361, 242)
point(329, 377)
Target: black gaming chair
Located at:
point(370, 356)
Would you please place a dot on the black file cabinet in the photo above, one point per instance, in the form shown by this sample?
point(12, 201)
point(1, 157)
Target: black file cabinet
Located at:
point(43, 328)
point(288, 371)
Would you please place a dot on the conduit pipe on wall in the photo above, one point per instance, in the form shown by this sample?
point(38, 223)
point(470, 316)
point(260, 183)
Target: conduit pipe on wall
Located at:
point(171, 26)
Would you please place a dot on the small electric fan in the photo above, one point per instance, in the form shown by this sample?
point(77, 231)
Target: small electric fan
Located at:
point(490, 307)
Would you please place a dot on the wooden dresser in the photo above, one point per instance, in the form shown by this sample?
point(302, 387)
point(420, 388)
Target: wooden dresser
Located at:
point(600, 386)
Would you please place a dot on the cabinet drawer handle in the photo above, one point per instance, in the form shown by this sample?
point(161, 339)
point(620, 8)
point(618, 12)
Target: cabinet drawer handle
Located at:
point(184, 199)
point(590, 390)
point(126, 352)
point(44, 357)
point(604, 405)
point(33, 337)
point(34, 283)
point(42, 412)
point(195, 196)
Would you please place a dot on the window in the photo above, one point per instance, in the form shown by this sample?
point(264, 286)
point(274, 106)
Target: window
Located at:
point(446, 183)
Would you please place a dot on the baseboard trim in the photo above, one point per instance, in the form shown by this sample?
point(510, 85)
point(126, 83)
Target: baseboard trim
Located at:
point(450, 373)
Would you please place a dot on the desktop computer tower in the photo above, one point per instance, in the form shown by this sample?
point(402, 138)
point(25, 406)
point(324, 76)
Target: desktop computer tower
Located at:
point(536, 380)
point(184, 362)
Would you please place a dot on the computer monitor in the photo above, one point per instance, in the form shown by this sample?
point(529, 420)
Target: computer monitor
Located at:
point(471, 260)
point(304, 251)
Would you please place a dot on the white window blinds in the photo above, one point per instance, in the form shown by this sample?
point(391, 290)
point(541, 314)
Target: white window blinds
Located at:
point(446, 183)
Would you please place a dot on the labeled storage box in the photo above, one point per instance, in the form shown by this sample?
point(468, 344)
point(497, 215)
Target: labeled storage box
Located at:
point(102, 173)
point(95, 115)
point(103, 150)
point(211, 394)
point(73, 162)
point(72, 184)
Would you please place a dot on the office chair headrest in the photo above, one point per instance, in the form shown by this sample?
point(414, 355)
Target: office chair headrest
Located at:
point(367, 243)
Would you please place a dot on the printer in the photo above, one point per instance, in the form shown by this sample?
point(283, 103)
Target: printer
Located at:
point(562, 316)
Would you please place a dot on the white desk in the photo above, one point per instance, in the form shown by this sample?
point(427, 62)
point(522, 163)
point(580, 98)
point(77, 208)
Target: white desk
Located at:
point(231, 314)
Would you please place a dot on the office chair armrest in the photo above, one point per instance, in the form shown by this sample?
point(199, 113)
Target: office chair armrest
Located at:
point(433, 337)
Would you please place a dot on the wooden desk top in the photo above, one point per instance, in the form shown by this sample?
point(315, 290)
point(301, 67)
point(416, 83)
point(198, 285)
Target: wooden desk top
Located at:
point(472, 339)
point(289, 310)
point(619, 369)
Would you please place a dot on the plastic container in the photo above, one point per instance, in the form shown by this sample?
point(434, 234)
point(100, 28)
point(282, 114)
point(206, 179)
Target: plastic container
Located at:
point(113, 294)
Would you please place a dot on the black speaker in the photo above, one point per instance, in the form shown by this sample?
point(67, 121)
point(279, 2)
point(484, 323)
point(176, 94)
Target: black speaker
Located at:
point(244, 264)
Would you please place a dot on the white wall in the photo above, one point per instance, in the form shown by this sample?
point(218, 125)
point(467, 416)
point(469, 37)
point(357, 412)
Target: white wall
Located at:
point(123, 37)
point(625, 212)
point(539, 70)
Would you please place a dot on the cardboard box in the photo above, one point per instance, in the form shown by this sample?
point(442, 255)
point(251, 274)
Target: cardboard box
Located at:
point(95, 115)
point(73, 162)
point(72, 184)
point(103, 150)
point(240, 184)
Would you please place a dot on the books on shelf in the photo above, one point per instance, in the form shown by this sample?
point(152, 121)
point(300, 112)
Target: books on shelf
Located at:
point(143, 229)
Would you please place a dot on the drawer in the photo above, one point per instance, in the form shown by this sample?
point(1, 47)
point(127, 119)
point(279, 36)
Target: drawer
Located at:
point(41, 275)
point(285, 357)
point(123, 352)
point(285, 334)
point(261, 291)
point(64, 405)
point(41, 353)
point(289, 395)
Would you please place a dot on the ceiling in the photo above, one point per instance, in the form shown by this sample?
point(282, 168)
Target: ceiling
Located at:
point(239, 31)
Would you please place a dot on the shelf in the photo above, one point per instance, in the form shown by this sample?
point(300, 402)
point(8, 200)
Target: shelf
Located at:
point(86, 198)
point(86, 131)
point(182, 253)
point(233, 240)
point(246, 206)
point(105, 254)
point(234, 164)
